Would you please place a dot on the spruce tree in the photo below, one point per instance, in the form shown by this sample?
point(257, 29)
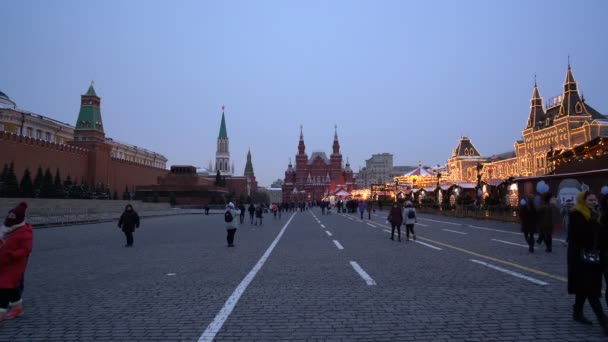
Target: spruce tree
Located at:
point(38, 182)
point(47, 189)
point(3, 179)
point(11, 185)
point(58, 186)
point(26, 185)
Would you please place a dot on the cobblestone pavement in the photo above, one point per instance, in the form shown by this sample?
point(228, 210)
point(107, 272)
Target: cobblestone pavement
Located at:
point(83, 285)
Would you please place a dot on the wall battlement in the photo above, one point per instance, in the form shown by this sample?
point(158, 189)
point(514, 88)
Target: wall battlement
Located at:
point(131, 163)
point(19, 139)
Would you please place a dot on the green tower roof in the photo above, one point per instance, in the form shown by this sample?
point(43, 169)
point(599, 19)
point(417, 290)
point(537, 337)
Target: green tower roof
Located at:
point(91, 91)
point(89, 117)
point(249, 165)
point(223, 133)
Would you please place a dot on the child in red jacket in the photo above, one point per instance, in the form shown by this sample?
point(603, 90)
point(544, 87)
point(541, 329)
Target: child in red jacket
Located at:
point(15, 247)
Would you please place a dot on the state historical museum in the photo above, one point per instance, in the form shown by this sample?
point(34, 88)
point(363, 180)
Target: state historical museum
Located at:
point(317, 177)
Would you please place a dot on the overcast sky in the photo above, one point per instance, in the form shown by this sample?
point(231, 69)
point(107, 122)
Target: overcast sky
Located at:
point(403, 77)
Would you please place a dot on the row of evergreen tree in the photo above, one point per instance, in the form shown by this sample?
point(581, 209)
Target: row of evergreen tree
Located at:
point(45, 185)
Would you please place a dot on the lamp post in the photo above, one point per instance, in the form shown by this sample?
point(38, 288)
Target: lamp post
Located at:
point(438, 188)
point(479, 194)
point(396, 188)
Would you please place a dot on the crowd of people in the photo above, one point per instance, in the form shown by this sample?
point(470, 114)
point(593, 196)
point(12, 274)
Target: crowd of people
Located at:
point(586, 224)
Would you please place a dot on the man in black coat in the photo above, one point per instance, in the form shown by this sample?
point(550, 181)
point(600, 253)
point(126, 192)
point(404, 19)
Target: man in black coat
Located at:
point(129, 220)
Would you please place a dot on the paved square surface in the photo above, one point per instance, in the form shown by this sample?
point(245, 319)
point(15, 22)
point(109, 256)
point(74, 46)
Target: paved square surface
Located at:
point(462, 280)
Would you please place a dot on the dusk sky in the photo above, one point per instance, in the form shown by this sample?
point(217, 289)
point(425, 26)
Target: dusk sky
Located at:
point(403, 77)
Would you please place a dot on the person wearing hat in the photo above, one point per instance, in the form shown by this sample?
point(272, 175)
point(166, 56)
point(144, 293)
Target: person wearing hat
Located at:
point(231, 223)
point(129, 220)
point(409, 214)
point(585, 262)
point(15, 247)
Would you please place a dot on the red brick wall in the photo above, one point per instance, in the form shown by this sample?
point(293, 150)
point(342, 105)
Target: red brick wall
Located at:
point(124, 173)
point(75, 162)
point(30, 153)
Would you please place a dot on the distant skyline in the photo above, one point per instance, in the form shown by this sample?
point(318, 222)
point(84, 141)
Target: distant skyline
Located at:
point(403, 77)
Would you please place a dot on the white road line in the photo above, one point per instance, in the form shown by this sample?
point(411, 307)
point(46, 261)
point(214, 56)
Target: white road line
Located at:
point(510, 243)
point(515, 274)
point(359, 220)
point(422, 224)
point(426, 244)
point(491, 229)
point(452, 223)
point(322, 226)
point(454, 231)
point(386, 230)
point(362, 273)
point(328, 233)
point(371, 225)
point(222, 316)
point(338, 244)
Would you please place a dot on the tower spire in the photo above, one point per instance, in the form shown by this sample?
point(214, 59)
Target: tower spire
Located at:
point(223, 132)
point(336, 146)
point(222, 154)
point(537, 113)
point(572, 103)
point(301, 146)
point(249, 165)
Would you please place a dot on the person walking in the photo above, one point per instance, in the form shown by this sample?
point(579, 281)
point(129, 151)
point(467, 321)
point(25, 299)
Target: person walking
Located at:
point(129, 221)
point(232, 224)
point(241, 213)
point(604, 239)
point(546, 214)
point(527, 217)
point(395, 217)
point(251, 210)
point(368, 206)
point(565, 213)
point(16, 238)
point(259, 212)
point(362, 208)
point(584, 261)
point(409, 214)
point(275, 210)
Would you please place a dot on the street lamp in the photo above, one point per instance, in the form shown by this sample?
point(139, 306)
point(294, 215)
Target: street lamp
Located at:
point(478, 192)
point(396, 188)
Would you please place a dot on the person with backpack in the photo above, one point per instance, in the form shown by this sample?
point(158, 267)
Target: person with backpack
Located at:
point(395, 217)
point(409, 213)
point(231, 223)
point(251, 210)
point(259, 212)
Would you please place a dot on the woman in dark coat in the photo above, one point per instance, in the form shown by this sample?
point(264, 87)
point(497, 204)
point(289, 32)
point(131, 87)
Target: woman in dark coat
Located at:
point(585, 278)
point(604, 238)
point(129, 220)
point(395, 217)
point(527, 216)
